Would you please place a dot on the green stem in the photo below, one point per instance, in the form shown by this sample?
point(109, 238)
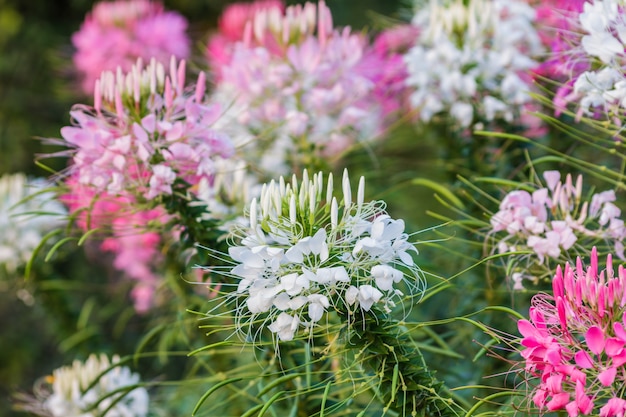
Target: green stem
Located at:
point(406, 384)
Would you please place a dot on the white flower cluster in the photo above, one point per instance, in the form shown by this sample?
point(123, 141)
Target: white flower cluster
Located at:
point(303, 253)
point(26, 215)
point(468, 60)
point(604, 23)
point(69, 398)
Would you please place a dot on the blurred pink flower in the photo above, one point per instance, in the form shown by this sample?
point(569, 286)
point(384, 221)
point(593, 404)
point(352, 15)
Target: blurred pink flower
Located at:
point(130, 235)
point(116, 33)
point(232, 28)
point(385, 66)
point(558, 27)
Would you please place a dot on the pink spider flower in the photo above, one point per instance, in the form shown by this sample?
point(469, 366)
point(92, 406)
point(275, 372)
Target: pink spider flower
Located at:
point(550, 220)
point(117, 33)
point(573, 343)
point(560, 33)
point(147, 139)
point(145, 132)
point(300, 92)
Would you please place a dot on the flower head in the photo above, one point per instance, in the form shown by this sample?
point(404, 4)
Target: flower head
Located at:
point(550, 220)
point(469, 60)
point(573, 343)
point(28, 214)
point(303, 253)
point(95, 387)
point(299, 91)
point(145, 132)
point(117, 33)
point(140, 158)
point(557, 27)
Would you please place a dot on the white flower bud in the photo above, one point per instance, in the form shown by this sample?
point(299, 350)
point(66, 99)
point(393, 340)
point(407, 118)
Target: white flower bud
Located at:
point(347, 191)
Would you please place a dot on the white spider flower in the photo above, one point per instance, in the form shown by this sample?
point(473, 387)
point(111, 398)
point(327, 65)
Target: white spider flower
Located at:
point(88, 390)
point(27, 213)
point(469, 60)
point(304, 253)
point(602, 89)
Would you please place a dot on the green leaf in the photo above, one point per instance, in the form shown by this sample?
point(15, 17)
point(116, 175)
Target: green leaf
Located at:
point(440, 189)
point(212, 390)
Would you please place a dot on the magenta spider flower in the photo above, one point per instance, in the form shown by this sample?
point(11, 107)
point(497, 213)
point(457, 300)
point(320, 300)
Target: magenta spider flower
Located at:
point(573, 343)
point(557, 26)
point(116, 33)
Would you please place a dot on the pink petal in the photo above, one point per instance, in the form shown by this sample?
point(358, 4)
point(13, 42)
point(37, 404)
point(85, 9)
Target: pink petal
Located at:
point(540, 398)
point(595, 339)
point(614, 346)
point(558, 288)
point(613, 407)
point(619, 359)
point(583, 359)
point(618, 328)
point(572, 409)
point(526, 329)
point(553, 354)
point(558, 401)
point(585, 405)
point(554, 383)
point(607, 376)
point(560, 307)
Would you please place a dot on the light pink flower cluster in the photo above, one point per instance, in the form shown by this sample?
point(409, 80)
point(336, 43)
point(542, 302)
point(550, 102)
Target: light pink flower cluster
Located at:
point(300, 90)
point(573, 344)
point(146, 137)
point(145, 132)
point(118, 32)
point(551, 219)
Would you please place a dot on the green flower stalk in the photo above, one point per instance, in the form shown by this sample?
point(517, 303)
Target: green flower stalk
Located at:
point(306, 262)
